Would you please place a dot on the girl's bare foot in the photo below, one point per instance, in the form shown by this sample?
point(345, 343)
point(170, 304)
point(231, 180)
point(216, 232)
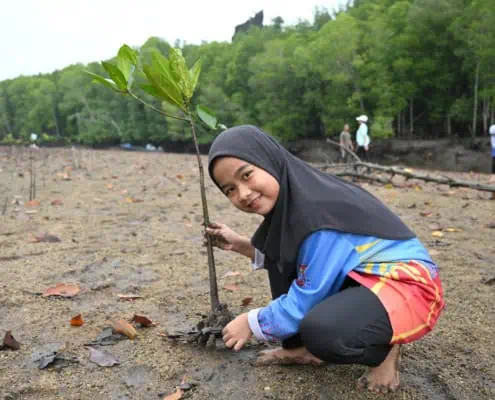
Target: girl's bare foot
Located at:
point(281, 356)
point(385, 377)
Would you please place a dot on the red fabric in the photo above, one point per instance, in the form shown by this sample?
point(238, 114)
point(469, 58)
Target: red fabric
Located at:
point(413, 299)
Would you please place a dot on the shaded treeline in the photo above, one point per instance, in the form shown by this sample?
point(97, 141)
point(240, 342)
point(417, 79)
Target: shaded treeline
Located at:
point(418, 68)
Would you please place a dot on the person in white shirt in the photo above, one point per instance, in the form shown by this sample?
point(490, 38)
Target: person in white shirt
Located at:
point(362, 138)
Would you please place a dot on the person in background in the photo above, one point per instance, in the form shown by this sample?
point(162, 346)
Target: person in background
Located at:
point(362, 138)
point(492, 138)
point(346, 143)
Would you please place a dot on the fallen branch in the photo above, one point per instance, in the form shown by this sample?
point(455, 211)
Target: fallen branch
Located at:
point(371, 178)
point(445, 180)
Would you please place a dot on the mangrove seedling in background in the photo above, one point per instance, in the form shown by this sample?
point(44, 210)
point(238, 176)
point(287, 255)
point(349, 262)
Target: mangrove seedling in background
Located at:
point(168, 80)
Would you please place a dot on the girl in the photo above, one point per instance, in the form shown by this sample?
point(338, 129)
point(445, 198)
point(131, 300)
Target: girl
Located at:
point(350, 282)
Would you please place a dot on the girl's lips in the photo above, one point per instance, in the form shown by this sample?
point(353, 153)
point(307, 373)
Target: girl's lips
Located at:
point(254, 203)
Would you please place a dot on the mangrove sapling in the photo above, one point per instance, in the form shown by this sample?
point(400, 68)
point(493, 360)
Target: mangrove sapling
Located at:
point(171, 81)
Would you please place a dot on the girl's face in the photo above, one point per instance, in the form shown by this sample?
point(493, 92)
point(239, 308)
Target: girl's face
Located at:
point(250, 188)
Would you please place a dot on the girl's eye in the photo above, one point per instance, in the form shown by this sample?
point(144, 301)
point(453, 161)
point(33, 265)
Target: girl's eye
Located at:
point(246, 174)
point(228, 192)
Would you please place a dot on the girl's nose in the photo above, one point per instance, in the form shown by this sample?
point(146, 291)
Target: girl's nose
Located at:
point(244, 192)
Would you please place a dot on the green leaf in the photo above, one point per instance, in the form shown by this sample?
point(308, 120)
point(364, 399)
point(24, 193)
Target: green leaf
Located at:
point(130, 54)
point(160, 69)
point(127, 61)
point(115, 74)
point(194, 74)
point(150, 89)
point(100, 79)
point(207, 116)
point(164, 90)
point(180, 72)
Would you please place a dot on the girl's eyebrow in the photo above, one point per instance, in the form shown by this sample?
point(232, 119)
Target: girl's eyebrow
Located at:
point(237, 173)
point(241, 168)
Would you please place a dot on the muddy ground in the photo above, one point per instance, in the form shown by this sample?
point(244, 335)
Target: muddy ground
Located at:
point(130, 223)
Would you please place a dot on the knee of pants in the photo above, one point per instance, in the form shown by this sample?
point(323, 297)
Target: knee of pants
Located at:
point(326, 344)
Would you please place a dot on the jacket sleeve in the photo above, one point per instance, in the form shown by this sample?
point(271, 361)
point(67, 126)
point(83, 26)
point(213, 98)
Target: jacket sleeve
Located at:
point(324, 260)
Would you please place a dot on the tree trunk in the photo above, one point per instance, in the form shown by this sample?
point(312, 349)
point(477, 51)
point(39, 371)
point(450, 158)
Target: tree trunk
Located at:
point(54, 115)
point(411, 117)
point(398, 125)
point(486, 113)
point(449, 126)
point(475, 106)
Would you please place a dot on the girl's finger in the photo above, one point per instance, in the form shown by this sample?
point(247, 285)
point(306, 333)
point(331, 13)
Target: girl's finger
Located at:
point(230, 343)
point(239, 345)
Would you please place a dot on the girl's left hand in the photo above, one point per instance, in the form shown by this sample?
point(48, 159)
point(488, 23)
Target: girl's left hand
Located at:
point(237, 332)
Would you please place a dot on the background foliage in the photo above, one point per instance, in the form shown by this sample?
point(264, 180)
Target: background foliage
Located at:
point(417, 68)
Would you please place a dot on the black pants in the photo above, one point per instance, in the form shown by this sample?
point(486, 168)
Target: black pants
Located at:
point(350, 327)
point(363, 154)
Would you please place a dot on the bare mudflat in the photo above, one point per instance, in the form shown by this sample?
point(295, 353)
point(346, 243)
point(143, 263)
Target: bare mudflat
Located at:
point(123, 224)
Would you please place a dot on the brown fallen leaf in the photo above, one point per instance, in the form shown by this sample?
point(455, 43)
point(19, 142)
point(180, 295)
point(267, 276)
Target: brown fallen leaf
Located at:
point(62, 290)
point(426, 213)
point(129, 297)
point(77, 320)
point(175, 396)
point(490, 226)
point(437, 234)
point(231, 288)
point(57, 202)
point(33, 203)
point(9, 342)
point(46, 238)
point(232, 274)
point(144, 321)
point(246, 301)
point(133, 200)
point(125, 328)
point(452, 230)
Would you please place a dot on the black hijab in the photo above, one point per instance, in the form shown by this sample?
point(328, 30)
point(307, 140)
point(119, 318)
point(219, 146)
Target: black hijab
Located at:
point(309, 199)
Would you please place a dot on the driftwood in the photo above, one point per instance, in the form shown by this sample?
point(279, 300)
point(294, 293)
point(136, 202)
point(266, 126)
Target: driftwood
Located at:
point(352, 170)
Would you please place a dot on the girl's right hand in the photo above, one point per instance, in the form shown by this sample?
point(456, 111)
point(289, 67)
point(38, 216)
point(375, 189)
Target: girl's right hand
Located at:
point(223, 237)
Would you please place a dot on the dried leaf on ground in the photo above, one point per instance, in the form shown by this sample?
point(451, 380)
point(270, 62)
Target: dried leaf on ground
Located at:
point(102, 358)
point(231, 288)
point(426, 213)
point(125, 328)
point(488, 281)
point(452, 230)
point(129, 297)
point(437, 234)
point(57, 202)
point(490, 226)
point(246, 301)
point(133, 200)
point(144, 321)
point(77, 320)
point(46, 238)
point(9, 342)
point(175, 396)
point(33, 203)
point(62, 290)
point(232, 274)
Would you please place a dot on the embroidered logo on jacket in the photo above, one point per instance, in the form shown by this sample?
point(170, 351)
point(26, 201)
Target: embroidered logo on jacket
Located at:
point(302, 279)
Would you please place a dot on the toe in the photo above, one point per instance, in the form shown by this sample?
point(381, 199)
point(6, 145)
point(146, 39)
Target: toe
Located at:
point(362, 382)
